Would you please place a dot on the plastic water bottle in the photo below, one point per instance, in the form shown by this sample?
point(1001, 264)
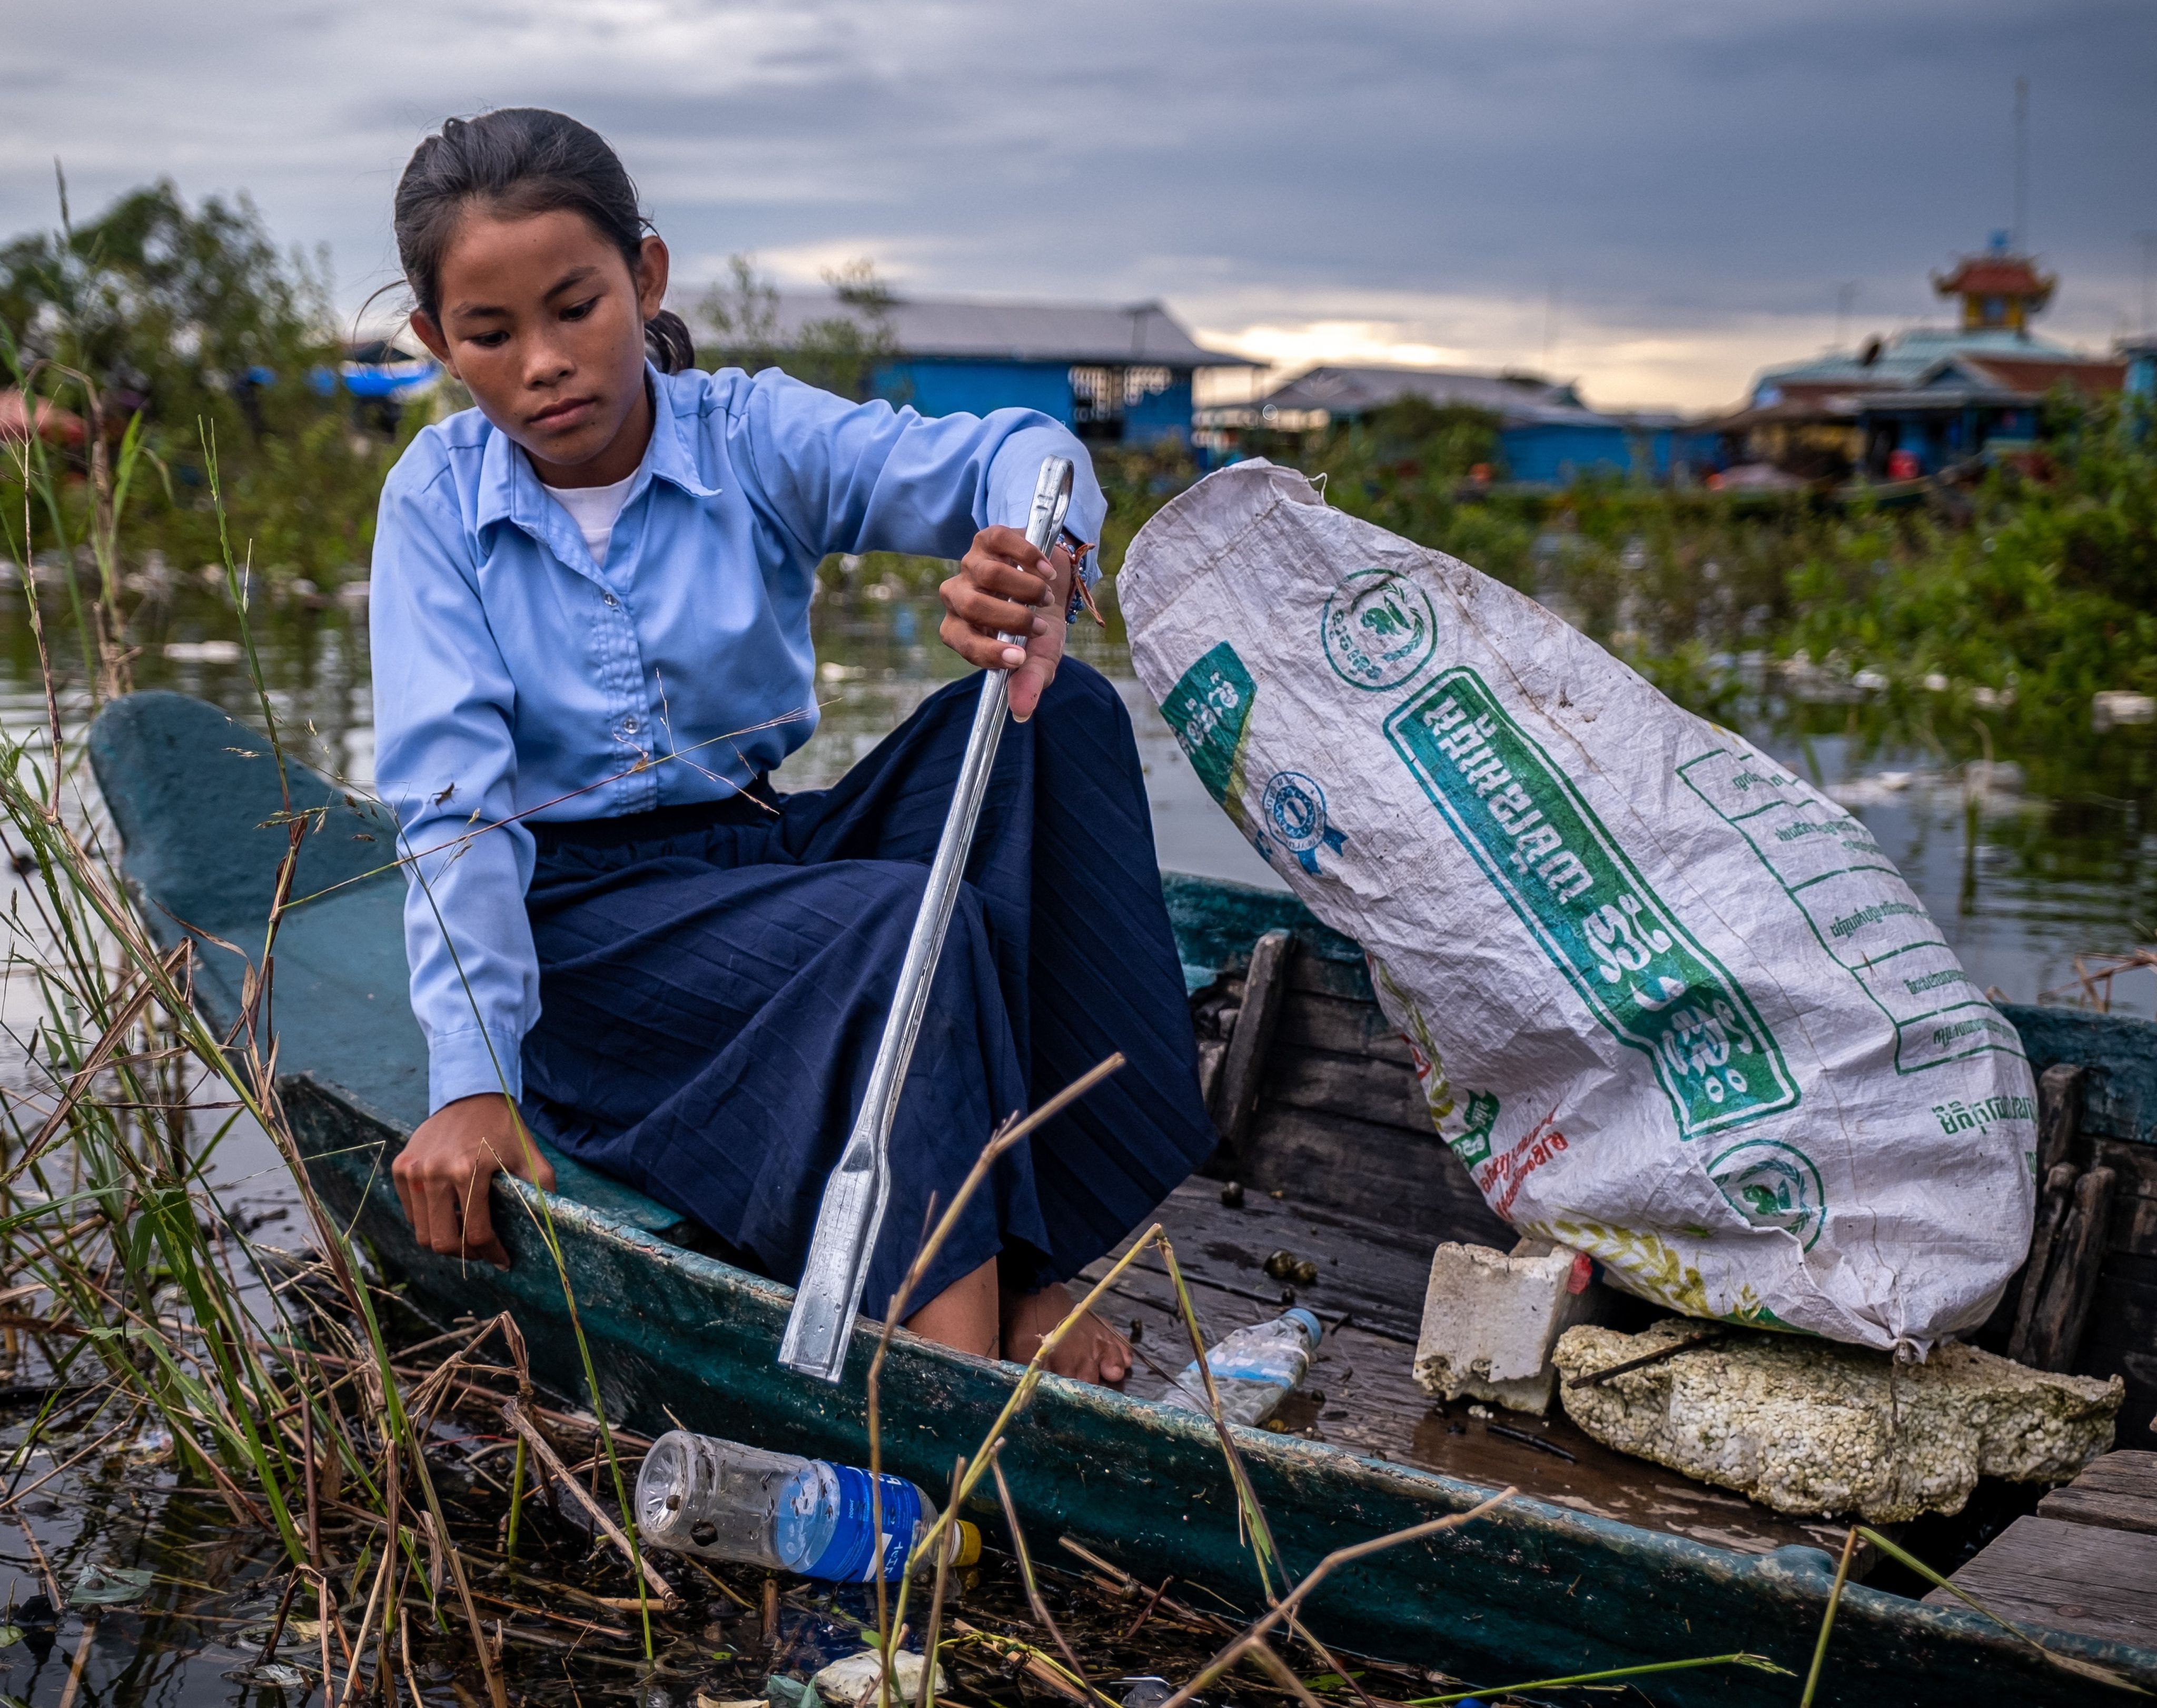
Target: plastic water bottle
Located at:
point(1254, 1370)
point(698, 1494)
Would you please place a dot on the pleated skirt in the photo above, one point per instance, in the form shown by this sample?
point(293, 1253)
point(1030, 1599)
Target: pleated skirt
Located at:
point(714, 983)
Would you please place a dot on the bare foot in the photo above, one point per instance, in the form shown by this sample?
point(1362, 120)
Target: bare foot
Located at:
point(1089, 1351)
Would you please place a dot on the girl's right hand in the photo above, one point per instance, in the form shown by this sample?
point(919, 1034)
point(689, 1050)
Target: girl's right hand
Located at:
point(443, 1173)
point(1004, 587)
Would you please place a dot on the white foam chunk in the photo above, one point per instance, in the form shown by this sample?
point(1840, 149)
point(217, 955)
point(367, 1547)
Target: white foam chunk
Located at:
point(1491, 1320)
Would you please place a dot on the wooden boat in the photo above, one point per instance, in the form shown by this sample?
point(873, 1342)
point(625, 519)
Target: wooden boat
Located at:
point(1600, 1562)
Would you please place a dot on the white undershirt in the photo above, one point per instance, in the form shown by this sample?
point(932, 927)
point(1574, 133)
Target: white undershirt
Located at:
point(594, 510)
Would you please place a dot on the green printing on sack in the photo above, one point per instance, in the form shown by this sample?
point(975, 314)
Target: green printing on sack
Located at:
point(1640, 972)
point(1209, 708)
point(1472, 1143)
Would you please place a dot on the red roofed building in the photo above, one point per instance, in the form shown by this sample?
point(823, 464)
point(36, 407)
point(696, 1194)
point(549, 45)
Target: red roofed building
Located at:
point(1927, 397)
point(1998, 289)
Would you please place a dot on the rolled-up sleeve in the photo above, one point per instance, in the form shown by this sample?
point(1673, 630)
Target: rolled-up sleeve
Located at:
point(445, 764)
point(866, 477)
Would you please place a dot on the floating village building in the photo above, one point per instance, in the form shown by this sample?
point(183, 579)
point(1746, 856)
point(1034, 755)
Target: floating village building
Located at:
point(1546, 435)
point(1115, 375)
point(1923, 399)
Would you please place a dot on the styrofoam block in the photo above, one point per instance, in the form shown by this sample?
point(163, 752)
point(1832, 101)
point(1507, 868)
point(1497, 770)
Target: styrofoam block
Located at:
point(1492, 1319)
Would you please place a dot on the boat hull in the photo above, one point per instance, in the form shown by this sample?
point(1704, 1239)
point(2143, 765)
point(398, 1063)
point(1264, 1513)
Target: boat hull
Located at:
point(1532, 1590)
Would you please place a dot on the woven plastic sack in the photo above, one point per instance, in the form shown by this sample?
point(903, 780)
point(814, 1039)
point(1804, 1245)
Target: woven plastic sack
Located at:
point(1670, 1006)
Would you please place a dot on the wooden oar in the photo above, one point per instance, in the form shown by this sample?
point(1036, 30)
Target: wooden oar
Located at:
point(847, 1222)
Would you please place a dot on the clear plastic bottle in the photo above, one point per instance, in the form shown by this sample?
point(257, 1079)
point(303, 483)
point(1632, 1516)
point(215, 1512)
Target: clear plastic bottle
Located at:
point(1254, 1369)
point(698, 1494)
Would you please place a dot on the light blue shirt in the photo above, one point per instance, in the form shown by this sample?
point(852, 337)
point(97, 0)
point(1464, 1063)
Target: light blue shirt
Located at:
point(515, 679)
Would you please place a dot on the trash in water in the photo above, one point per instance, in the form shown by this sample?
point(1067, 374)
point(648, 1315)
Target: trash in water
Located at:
point(1254, 1369)
point(10, 1635)
point(152, 1445)
point(780, 1691)
point(281, 1674)
point(846, 1683)
point(698, 1494)
point(1148, 1692)
point(109, 1587)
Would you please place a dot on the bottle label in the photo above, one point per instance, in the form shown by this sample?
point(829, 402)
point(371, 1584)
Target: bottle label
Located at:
point(854, 1549)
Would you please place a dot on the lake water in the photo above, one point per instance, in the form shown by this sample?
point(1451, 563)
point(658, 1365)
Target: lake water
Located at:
point(2028, 863)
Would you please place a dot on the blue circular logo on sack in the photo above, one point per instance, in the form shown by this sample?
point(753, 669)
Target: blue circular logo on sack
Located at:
point(1293, 811)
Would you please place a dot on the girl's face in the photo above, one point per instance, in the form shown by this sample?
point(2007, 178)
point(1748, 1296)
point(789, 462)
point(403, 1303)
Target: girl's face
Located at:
point(543, 321)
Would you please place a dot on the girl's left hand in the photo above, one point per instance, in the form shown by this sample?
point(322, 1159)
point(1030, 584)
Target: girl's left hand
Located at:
point(1004, 587)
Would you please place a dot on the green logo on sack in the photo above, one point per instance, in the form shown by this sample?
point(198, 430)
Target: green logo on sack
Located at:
point(1773, 1184)
point(1639, 972)
point(1472, 1143)
point(1378, 628)
point(1209, 708)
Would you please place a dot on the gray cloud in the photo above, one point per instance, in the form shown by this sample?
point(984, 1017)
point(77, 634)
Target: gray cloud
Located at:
point(1679, 171)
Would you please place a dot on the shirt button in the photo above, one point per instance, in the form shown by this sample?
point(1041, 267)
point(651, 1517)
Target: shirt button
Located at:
point(629, 726)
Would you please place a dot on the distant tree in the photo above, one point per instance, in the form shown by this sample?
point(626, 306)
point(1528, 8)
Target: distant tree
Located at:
point(179, 313)
point(840, 352)
point(179, 324)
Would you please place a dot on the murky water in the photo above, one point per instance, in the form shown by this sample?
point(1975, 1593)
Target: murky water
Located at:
point(2027, 863)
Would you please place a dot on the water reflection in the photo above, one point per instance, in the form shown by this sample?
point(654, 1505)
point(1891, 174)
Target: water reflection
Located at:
point(2027, 863)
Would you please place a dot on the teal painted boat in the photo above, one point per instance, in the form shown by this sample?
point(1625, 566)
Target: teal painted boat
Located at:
point(1540, 1588)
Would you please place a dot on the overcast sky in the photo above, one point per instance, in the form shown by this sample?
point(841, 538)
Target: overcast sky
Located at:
point(1689, 184)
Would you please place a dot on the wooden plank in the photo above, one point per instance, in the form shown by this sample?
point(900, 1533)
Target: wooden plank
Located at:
point(2059, 1115)
point(2125, 1470)
point(1383, 1176)
point(1321, 975)
point(1251, 1042)
point(2071, 1577)
point(2122, 1339)
point(2134, 1194)
point(1377, 1276)
point(2062, 1313)
point(1311, 1021)
point(2053, 1204)
point(1385, 1094)
point(2105, 1508)
point(2059, 1121)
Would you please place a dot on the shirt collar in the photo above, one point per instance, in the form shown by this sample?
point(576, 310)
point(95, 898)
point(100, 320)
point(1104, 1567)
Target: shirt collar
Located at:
point(510, 489)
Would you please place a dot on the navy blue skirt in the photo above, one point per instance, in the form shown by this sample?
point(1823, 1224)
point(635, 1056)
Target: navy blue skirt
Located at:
point(713, 985)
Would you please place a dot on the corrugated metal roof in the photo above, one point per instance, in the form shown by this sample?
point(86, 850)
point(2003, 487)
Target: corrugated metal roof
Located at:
point(1143, 333)
point(1356, 391)
point(1904, 358)
point(1517, 399)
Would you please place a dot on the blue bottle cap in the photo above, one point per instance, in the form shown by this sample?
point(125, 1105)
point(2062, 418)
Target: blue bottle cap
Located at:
point(1313, 1330)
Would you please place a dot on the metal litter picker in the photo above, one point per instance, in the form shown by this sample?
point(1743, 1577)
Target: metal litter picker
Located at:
point(830, 1295)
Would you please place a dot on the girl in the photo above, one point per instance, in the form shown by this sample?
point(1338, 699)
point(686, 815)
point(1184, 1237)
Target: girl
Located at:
point(591, 624)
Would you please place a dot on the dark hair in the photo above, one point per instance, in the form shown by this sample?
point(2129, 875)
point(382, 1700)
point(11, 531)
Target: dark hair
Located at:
point(522, 161)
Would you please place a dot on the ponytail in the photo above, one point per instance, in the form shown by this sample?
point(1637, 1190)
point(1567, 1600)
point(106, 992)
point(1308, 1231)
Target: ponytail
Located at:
point(522, 161)
point(668, 341)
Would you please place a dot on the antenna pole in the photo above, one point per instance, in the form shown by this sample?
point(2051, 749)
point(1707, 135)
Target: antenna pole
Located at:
point(2021, 166)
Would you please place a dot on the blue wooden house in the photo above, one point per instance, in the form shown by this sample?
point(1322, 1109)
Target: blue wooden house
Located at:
point(2140, 356)
point(1112, 375)
point(1546, 435)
